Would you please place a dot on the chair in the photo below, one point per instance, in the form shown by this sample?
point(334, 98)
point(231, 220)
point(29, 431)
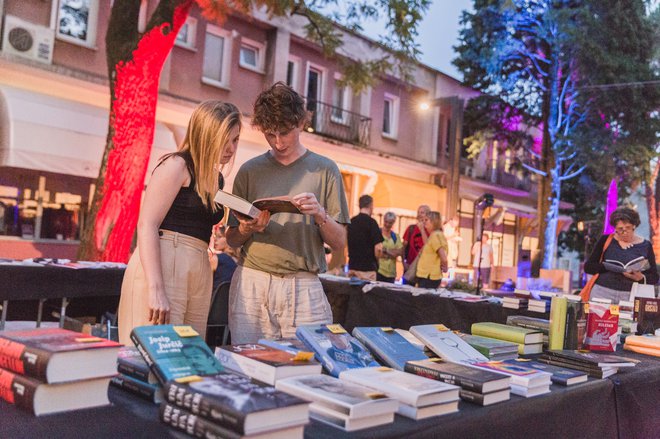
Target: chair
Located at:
point(219, 316)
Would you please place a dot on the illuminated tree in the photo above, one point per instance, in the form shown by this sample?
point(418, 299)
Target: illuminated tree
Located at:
point(135, 60)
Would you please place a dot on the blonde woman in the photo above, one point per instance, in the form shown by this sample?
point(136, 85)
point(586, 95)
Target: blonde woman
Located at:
point(169, 278)
point(433, 259)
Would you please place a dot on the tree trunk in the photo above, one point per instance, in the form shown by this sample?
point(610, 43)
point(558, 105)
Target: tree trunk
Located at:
point(134, 63)
point(552, 218)
point(653, 200)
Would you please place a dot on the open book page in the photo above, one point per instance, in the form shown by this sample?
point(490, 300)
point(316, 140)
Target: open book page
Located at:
point(242, 207)
point(637, 264)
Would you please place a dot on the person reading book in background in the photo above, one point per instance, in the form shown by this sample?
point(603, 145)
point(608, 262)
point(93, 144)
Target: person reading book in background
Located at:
point(276, 287)
point(622, 246)
point(433, 258)
point(168, 278)
point(392, 249)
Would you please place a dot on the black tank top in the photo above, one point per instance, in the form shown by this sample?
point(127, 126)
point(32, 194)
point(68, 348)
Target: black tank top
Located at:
point(187, 215)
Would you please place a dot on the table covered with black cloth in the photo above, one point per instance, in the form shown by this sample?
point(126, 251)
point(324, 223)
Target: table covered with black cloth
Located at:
point(382, 306)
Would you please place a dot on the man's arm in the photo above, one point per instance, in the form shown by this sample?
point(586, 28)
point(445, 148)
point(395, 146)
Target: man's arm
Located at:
point(332, 232)
point(237, 235)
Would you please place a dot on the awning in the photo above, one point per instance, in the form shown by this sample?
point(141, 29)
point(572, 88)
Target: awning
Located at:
point(401, 193)
point(46, 133)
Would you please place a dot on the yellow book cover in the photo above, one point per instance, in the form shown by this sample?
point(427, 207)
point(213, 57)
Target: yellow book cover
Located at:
point(558, 308)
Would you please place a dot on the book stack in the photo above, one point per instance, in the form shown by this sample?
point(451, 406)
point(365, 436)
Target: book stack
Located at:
point(627, 323)
point(389, 347)
point(594, 364)
point(519, 300)
point(602, 332)
point(541, 302)
point(529, 341)
point(227, 405)
point(419, 397)
point(55, 370)
point(478, 386)
point(335, 348)
point(535, 323)
point(265, 363)
point(643, 344)
point(289, 344)
point(560, 375)
point(136, 377)
point(558, 309)
point(525, 381)
point(492, 348)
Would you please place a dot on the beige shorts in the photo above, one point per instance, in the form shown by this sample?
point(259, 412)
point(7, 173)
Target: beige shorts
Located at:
point(262, 305)
point(188, 280)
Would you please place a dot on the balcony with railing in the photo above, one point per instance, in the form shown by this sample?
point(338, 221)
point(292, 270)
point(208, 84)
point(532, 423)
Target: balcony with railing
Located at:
point(339, 124)
point(496, 175)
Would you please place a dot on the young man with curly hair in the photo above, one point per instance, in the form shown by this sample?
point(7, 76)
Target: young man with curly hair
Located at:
point(276, 286)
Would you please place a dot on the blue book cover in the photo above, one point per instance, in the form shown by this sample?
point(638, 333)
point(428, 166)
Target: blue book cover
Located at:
point(175, 351)
point(560, 375)
point(336, 349)
point(388, 346)
point(290, 345)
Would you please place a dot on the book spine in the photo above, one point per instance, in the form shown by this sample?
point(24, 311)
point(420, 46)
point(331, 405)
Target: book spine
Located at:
point(182, 396)
point(557, 323)
point(18, 390)
point(24, 360)
point(133, 370)
point(472, 397)
point(136, 387)
point(448, 378)
point(572, 316)
point(192, 424)
point(523, 322)
point(147, 358)
point(592, 372)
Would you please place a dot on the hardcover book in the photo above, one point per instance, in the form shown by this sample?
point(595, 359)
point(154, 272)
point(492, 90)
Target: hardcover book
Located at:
point(41, 399)
point(647, 312)
point(446, 344)
point(150, 392)
point(291, 345)
point(520, 375)
point(264, 363)
point(197, 426)
point(174, 351)
point(602, 327)
point(576, 324)
point(244, 208)
point(237, 403)
point(513, 334)
point(560, 375)
point(593, 359)
point(335, 348)
point(388, 346)
point(350, 399)
point(55, 355)
point(413, 390)
point(468, 378)
point(131, 363)
point(491, 347)
point(557, 322)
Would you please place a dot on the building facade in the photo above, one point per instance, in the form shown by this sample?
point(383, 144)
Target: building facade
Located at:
point(54, 102)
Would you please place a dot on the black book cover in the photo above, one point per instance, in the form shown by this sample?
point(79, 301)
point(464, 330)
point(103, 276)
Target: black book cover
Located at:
point(466, 377)
point(192, 424)
point(647, 311)
point(227, 399)
point(593, 372)
point(576, 323)
point(131, 363)
point(150, 392)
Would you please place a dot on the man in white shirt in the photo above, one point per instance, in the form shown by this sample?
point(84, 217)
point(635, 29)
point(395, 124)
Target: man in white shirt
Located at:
point(482, 251)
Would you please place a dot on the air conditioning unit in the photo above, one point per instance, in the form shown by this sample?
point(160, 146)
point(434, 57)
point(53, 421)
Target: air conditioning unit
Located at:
point(28, 40)
point(440, 180)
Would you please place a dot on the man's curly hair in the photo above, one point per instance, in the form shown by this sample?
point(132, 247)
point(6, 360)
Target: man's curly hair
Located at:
point(279, 109)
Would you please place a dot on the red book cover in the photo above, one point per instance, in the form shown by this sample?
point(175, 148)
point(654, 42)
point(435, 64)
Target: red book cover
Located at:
point(602, 327)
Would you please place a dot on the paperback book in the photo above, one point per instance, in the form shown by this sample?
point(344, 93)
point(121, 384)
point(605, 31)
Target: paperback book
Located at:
point(638, 264)
point(557, 322)
point(593, 359)
point(174, 352)
point(345, 422)
point(520, 375)
point(446, 344)
point(55, 355)
point(291, 345)
point(468, 378)
point(484, 399)
point(335, 348)
point(491, 347)
point(513, 334)
point(264, 363)
point(150, 392)
point(602, 332)
point(388, 346)
point(560, 375)
point(237, 403)
point(534, 323)
point(131, 363)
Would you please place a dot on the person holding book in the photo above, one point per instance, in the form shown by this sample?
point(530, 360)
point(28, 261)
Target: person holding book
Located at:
point(433, 258)
point(168, 278)
point(276, 287)
point(621, 259)
point(392, 249)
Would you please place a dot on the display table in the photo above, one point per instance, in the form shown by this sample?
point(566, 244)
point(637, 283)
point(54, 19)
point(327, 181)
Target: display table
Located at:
point(623, 406)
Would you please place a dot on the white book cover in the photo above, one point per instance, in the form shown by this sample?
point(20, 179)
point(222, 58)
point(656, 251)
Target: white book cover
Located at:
point(345, 422)
point(447, 345)
point(413, 390)
point(428, 411)
point(342, 396)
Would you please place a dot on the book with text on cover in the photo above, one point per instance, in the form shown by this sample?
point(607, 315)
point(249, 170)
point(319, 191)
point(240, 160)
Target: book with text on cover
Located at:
point(388, 346)
point(131, 363)
point(55, 355)
point(637, 264)
point(602, 327)
point(446, 344)
point(468, 378)
point(243, 207)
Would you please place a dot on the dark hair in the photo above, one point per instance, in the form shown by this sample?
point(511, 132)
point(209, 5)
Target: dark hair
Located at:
point(365, 201)
point(279, 109)
point(625, 214)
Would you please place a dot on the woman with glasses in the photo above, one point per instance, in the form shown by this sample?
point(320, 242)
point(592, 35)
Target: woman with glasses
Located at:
point(433, 257)
point(613, 252)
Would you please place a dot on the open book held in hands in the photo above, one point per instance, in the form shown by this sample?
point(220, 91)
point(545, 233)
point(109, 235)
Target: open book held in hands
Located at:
point(637, 264)
point(244, 208)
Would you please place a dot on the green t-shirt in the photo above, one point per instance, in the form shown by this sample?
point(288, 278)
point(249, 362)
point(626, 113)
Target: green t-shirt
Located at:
point(387, 266)
point(291, 242)
point(428, 266)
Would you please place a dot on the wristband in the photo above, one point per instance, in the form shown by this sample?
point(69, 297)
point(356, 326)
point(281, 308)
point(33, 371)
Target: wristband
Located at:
point(325, 219)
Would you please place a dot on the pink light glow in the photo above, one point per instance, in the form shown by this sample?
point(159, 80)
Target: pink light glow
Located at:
point(611, 206)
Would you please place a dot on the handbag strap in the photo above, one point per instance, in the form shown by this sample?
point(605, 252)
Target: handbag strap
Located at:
point(607, 244)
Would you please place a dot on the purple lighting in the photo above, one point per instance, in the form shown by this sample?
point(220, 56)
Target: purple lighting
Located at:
point(611, 206)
